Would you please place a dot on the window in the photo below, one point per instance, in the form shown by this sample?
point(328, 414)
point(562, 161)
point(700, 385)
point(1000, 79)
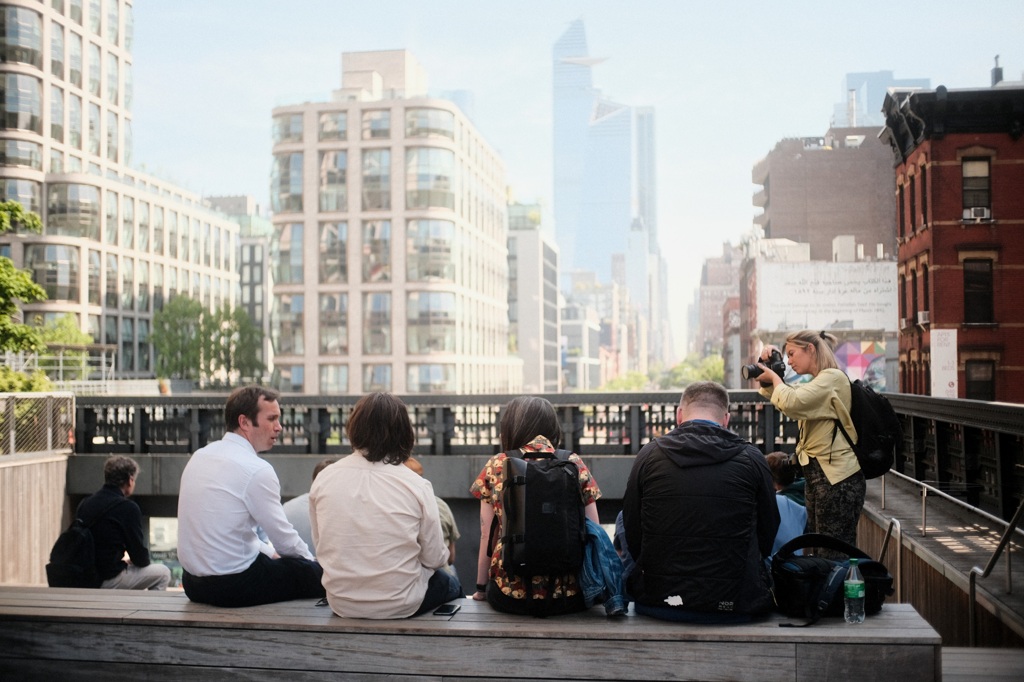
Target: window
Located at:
point(112, 80)
point(112, 21)
point(158, 225)
point(95, 269)
point(94, 129)
point(376, 124)
point(55, 268)
point(333, 182)
point(430, 322)
point(334, 324)
point(902, 212)
point(95, 69)
point(127, 344)
point(21, 36)
point(377, 323)
point(429, 122)
point(981, 379)
point(112, 136)
point(377, 251)
point(75, 59)
point(142, 296)
point(73, 210)
point(978, 307)
point(376, 179)
point(376, 378)
point(286, 333)
point(976, 184)
point(288, 128)
point(57, 50)
point(56, 114)
point(286, 183)
point(110, 294)
point(428, 178)
point(291, 378)
point(75, 121)
point(431, 378)
point(913, 204)
point(286, 254)
point(28, 193)
point(22, 103)
point(333, 379)
point(333, 125)
point(924, 194)
point(127, 284)
point(333, 252)
point(95, 16)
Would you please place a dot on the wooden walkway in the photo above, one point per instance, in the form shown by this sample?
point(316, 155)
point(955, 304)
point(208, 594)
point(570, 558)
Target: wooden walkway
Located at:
point(94, 634)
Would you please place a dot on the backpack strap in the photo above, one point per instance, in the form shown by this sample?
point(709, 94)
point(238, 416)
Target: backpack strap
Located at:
point(833, 583)
point(820, 540)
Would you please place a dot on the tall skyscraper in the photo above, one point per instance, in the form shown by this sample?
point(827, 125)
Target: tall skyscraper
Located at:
point(390, 262)
point(116, 243)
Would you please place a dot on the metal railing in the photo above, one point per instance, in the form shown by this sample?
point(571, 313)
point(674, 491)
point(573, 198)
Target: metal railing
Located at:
point(36, 423)
point(897, 573)
point(1004, 543)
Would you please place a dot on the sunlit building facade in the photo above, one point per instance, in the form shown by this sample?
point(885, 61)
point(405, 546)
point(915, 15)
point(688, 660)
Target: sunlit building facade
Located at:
point(389, 254)
point(116, 244)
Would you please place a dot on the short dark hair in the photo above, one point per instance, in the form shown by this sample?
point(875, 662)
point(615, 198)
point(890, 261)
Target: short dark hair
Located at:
point(118, 469)
point(380, 426)
point(782, 467)
point(525, 418)
point(246, 401)
point(707, 395)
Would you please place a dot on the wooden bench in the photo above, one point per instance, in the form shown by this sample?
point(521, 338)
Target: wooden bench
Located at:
point(99, 634)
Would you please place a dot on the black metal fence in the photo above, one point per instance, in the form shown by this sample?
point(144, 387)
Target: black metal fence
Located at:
point(969, 448)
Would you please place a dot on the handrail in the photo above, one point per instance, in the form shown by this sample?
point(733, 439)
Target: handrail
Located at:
point(984, 573)
point(898, 574)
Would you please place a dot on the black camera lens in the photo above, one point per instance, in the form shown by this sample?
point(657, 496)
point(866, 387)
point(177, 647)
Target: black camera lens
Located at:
point(750, 371)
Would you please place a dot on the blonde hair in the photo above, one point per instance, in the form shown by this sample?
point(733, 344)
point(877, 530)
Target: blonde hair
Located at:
point(824, 346)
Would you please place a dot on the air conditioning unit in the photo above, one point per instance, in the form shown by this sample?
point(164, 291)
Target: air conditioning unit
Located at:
point(977, 213)
point(904, 323)
point(923, 317)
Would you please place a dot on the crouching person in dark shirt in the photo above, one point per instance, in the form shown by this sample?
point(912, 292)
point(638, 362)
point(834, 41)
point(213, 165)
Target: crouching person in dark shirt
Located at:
point(700, 517)
point(118, 529)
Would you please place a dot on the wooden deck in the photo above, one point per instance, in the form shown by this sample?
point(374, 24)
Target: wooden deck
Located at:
point(94, 634)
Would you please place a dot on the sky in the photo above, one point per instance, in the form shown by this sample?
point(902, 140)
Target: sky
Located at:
point(727, 80)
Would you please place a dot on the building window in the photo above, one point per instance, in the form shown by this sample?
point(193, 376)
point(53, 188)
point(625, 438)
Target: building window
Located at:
point(127, 284)
point(376, 179)
point(377, 251)
point(429, 175)
point(286, 182)
point(95, 16)
point(112, 21)
point(94, 129)
point(57, 50)
point(75, 59)
point(334, 324)
point(75, 121)
point(22, 102)
point(112, 78)
point(288, 128)
point(95, 270)
point(26, 192)
point(377, 323)
point(95, 69)
point(430, 378)
point(429, 123)
point(377, 124)
point(913, 295)
point(333, 181)
point(286, 332)
point(142, 296)
point(112, 136)
point(333, 252)
point(925, 289)
point(57, 114)
point(913, 204)
point(22, 153)
point(158, 226)
point(978, 307)
point(981, 379)
point(431, 253)
point(286, 254)
point(924, 194)
point(22, 36)
point(55, 268)
point(976, 184)
point(333, 379)
point(376, 378)
point(73, 210)
point(292, 378)
point(127, 344)
point(110, 292)
point(430, 322)
point(902, 212)
point(333, 125)
point(172, 234)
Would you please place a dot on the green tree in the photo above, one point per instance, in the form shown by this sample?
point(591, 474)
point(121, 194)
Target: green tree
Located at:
point(13, 381)
point(64, 338)
point(693, 368)
point(631, 381)
point(17, 285)
point(176, 338)
point(246, 347)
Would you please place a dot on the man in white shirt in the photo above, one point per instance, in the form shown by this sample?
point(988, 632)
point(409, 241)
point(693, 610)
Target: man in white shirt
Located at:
point(226, 493)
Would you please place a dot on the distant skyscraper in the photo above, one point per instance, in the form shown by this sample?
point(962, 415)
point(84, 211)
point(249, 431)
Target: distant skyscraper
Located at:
point(390, 268)
point(863, 95)
point(116, 243)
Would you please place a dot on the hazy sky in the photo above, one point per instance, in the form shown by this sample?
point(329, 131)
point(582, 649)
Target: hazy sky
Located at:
point(727, 80)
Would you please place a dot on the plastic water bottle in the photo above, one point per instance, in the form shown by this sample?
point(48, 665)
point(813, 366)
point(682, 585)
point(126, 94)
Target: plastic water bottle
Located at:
point(853, 592)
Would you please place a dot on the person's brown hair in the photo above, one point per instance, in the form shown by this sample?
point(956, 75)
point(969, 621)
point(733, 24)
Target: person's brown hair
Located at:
point(708, 395)
point(246, 401)
point(526, 417)
point(824, 346)
point(782, 467)
point(380, 426)
point(323, 464)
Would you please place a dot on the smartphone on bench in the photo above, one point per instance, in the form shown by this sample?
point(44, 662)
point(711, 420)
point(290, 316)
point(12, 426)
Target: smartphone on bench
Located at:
point(447, 609)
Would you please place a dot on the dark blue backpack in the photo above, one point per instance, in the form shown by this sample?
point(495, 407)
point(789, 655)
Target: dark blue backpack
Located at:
point(879, 432)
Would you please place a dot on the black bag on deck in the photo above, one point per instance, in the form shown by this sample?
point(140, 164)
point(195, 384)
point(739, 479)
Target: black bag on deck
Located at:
point(811, 587)
point(544, 526)
point(73, 557)
point(879, 431)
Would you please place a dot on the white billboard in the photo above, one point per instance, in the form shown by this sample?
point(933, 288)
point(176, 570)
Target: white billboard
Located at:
point(823, 295)
point(944, 363)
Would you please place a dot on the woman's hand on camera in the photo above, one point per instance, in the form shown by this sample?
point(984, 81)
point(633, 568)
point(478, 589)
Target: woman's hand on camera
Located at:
point(766, 352)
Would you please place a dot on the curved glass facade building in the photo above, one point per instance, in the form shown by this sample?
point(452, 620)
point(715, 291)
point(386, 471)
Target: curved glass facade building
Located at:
point(116, 243)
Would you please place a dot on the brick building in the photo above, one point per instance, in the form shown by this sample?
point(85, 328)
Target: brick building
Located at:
point(959, 162)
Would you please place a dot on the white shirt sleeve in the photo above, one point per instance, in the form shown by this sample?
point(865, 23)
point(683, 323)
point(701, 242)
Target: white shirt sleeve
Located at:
point(263, 499)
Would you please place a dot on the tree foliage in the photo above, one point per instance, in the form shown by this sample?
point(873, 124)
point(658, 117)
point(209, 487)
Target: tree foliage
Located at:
point(17, 285)
point(212, 347)
point(13, 381)
point(631, 381)
point(58, 336)
point(693, 368)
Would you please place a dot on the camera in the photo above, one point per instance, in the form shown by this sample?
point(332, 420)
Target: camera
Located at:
point(775, 363)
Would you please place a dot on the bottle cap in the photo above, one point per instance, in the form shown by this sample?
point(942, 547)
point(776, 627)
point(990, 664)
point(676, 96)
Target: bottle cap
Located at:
point(854, 561)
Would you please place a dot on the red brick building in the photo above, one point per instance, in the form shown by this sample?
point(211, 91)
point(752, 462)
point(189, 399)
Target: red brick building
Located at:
point(959, 161)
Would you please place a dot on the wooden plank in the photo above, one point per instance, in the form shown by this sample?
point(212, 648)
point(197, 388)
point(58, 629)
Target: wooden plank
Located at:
point(962, 664)
point(817, 661)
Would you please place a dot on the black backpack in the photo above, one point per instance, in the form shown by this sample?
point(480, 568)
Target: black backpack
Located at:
point(73, 557)
point(543, 529)
point(879, 431)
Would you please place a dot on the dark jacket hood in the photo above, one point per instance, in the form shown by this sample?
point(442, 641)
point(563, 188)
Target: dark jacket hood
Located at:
point(700, 443)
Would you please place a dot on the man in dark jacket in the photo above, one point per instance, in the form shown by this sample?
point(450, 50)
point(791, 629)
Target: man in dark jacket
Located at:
point(700, 517)
point(119, 530)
